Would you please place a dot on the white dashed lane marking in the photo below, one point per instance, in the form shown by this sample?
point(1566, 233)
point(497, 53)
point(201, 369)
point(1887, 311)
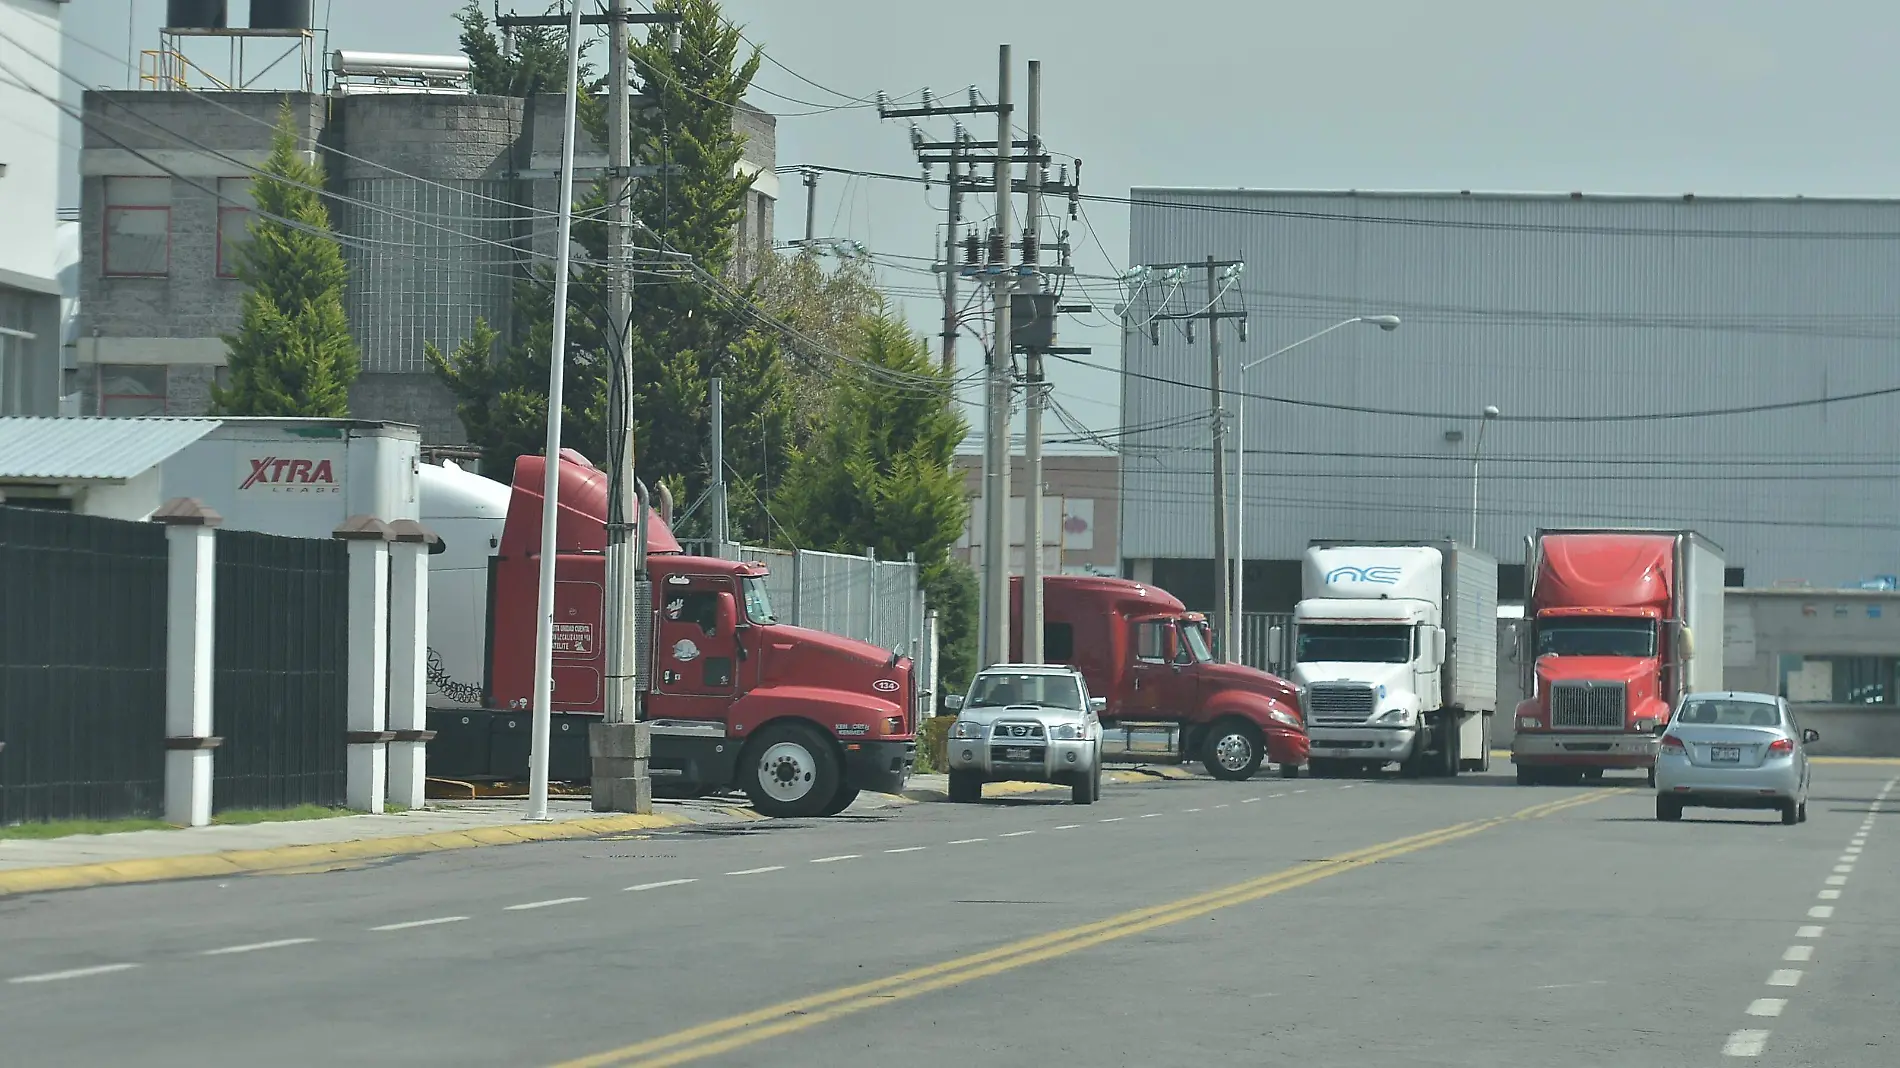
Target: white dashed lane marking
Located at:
point(905, 849)
point(407, 924)
point(1809, 932)
point(658, 885)
point(839, 857)
point(1798, 953)
point(758, 871)
point(73, 973)
point(1821, 912)
point(1068, 827)
point(1785, 977)
point(255, 946)
point(1015, 834)
point(968, 841)
point(548, 904)
point(1767, 1006)
point(1745, 1044)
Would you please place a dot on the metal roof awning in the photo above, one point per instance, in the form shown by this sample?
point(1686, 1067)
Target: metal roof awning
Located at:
point(92, 449)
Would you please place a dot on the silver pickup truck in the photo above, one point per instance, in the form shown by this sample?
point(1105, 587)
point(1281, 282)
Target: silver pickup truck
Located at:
point(1026, 723)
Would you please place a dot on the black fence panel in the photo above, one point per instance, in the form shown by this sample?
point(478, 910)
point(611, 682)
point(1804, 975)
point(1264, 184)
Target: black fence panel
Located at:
point(82, 667)
point(281, 667)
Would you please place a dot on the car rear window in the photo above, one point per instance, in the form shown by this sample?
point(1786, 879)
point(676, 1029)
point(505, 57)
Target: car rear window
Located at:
point(1731, 714)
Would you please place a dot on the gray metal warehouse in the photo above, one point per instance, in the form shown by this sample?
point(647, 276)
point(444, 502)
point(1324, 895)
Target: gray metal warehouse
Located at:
point(1562, 310)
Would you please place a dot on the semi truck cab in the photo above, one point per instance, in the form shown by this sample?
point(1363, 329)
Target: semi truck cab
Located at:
point(1371, 669)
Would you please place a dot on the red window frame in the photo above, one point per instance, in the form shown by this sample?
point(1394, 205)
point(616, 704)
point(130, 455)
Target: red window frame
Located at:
point(105, 233)
point(99, 388)
point(226, 209)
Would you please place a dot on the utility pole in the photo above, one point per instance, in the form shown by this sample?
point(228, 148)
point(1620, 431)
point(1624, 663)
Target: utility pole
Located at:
point(622, 569)
point(1032, 388)
point(811, 208)
point(1220, 275)
point(996, 479)
point(952, 320)
point(716, 404)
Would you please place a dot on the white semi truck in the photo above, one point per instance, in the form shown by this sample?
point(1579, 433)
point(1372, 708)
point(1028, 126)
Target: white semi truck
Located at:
point(1397, 646)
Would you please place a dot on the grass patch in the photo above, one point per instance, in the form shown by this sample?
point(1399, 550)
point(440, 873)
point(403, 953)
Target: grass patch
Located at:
point(68, 828)
point(247, 816)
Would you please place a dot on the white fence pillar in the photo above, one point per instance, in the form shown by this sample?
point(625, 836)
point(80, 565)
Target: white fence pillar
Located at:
point(190, 615)
point(366, 771)
point(408, 662)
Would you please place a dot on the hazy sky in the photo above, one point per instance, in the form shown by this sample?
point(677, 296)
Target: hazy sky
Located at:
point(1709, 96)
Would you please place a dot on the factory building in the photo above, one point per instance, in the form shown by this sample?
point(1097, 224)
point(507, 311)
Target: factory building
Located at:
point(1717, 363)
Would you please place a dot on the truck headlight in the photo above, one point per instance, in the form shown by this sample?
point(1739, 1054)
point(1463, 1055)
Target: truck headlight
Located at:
point(1281, 717)
point(1529, 723)
point(963, 728)
point(1396, 717)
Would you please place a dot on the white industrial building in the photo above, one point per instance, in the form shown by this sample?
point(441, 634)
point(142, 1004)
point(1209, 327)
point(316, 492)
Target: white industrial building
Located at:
point(33, 245)
point(1561, 310)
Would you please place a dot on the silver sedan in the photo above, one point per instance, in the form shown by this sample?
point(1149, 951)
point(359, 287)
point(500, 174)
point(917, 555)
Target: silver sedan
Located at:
point(1733, 750)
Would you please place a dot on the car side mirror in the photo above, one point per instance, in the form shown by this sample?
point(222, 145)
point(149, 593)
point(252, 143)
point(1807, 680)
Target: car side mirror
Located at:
point(1810, 735)
point(953, 702)
point(1685, 642)
point(1098, 705)
point(1659, 728)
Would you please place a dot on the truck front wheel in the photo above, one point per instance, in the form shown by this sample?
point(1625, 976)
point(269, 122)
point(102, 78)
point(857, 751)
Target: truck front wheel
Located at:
point(840, 800)
point(793, 771)
point(1234, 750)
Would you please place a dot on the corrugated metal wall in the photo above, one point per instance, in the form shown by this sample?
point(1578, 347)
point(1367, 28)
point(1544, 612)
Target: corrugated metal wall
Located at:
point(1543, 306)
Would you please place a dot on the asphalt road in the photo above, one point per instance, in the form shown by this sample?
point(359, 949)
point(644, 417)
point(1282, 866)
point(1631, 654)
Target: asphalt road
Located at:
point(1318, 923)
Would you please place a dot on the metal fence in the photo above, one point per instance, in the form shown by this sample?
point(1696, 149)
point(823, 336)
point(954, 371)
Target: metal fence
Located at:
point(1261, 647)
point(82, 667)
point(280, 669)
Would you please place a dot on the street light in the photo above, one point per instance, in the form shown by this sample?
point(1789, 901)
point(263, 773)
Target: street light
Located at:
point(1477, 453)
point(1386, 323)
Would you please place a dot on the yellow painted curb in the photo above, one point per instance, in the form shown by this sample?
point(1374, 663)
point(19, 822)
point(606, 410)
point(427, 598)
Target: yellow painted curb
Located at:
point(247, 861)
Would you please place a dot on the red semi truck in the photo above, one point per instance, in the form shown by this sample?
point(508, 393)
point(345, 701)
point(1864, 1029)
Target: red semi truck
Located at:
point(1618, 625)
point(1139, 647)
point(799, 719)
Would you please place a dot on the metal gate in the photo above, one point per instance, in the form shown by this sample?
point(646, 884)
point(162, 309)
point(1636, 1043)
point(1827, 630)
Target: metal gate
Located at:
point(82, 667)
point(280, 669)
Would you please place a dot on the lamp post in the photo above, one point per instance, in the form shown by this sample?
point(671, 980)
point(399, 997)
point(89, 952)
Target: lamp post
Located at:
point(1386, 323)
point(1477, 453)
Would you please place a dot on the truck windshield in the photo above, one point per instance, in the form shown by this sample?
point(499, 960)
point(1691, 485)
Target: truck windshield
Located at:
point(1596, 637)
point(1194, 639)
point(1355, 644)
point(758, 603)
point(1001, 688)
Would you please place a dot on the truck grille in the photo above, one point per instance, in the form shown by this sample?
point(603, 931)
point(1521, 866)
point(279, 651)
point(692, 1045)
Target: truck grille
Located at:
point(1336, 702)
point(1579, 706)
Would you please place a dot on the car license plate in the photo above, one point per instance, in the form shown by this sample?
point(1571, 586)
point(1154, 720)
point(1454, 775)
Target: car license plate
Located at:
point(1725, 754)
point(1015, 754)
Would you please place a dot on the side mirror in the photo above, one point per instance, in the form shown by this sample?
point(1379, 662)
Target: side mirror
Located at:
point(1685, 642)
point(725, 614)
point(1810, 735)
point(953, 702)
point(1099, 705)
point(1438, 647)
point(1661, 726)
point(1513, 641)
point(1275, 635)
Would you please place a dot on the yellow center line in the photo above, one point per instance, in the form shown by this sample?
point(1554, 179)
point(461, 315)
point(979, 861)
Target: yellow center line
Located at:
point(735, 1032)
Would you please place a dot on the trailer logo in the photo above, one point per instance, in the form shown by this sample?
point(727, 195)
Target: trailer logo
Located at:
point(282, 474)
point(884, 686)
point(1381, 576)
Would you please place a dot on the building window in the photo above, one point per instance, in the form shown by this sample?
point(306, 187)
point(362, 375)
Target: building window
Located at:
point(137, 238)
point(131, 390)
point(234, 218)
point(1838, 680)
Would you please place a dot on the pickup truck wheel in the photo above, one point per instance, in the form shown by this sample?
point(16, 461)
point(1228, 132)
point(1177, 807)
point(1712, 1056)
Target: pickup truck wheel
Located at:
point(966, 787)
point(791, 771)
point(1234, 750)
point(840, 800)
point(1086, 789)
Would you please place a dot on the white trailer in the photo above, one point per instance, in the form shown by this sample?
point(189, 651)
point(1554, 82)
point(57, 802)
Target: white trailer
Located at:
point(1396, 645)
point(299, 478)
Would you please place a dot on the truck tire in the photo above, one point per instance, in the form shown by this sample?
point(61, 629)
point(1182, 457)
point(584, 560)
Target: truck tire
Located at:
point(1087, 789)
point(1234, 750)
point(966, 787)
point(1448, 754)
point(1527, 776)
point(790, 771)
point(840, 800)
point(1417, 763)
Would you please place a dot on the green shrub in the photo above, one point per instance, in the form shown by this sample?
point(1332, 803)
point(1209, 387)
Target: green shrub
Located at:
point(932, 744)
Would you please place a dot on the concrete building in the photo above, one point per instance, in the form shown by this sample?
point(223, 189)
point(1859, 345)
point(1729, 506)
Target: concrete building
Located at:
point(1079, 504)
point(32, 377)
point(1561, 310)
point(436, 196)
